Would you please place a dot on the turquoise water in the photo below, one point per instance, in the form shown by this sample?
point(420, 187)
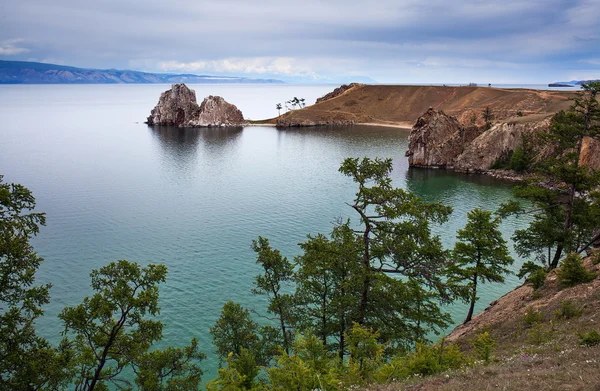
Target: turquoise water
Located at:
point(194, 199)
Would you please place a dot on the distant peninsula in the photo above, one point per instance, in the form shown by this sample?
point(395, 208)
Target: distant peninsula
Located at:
point(25, 72)
point(572, 83)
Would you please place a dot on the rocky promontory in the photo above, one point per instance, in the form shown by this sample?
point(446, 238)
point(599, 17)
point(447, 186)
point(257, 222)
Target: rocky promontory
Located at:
point(438, 140)
point(178, 107)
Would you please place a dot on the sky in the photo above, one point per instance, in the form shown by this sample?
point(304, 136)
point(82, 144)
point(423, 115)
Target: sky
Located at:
point(388, 41)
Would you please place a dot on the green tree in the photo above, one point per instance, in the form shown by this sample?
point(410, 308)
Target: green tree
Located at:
point(480, 254)
point(566, 216)
point(396, 240)
point(234, 331)
point(327, 284)
point(27, 361)
point(110, 331)
point(278, 108)
point(278, 274)
point(488, 117)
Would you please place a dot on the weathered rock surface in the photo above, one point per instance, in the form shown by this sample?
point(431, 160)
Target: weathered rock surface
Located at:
point(178, 107)
point(437, 139)
point(482, 152)
point(590, 153)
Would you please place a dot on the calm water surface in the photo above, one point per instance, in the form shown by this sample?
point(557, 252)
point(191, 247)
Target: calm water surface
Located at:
point(194, 199)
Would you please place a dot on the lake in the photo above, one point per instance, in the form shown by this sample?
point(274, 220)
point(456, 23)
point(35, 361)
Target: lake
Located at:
point(194, 199)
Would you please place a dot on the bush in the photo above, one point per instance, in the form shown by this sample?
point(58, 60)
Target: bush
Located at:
point(519, 113)
point(568, 310)
point(536, 275)
point(519, 161)
point(589, 339)
point(595, 257)
point(538, 335)
point(484, 345)
point(423, 361)
point(572, 272)
point(532, 317)
point(503, 161)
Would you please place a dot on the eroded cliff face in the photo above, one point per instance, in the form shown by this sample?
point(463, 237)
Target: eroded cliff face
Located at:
point(440, 141)
point(178, 107)
point(437, 139)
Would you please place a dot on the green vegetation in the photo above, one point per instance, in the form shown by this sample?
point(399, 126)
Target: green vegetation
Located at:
point(484, 346)
point(591, 338)
point(480, 254)
point(532, 317)
point(572, 272)
point(568, 310)
point(563, 222)
point(534, 273)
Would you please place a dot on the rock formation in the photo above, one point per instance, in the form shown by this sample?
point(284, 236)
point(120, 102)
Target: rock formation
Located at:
point(437, 139)
point(178, 107)
point(440, 141)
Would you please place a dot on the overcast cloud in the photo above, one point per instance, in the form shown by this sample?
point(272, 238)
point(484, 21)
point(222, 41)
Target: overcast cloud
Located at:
point(391, 41)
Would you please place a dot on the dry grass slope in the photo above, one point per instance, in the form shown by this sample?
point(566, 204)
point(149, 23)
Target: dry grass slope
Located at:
point(402, 105)
point(542, 356)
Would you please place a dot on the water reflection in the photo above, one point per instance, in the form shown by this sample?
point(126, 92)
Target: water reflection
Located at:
point(182, 147)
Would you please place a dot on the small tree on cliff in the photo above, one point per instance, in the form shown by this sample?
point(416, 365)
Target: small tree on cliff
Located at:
point(278, 108)
point(481, 254)
point(566, 216)
point(488, 117)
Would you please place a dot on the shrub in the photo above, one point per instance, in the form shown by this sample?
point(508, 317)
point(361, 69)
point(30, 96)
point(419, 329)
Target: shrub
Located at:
point(595, 257)
point(484, 345)
point(503, 161)
point(589, 339)
point(572, 272)
point(538, 335)
point(568, 310)
point(423, 361)
point(519, 113)
point(519, 161)
point(532, 317)
point(536, 275)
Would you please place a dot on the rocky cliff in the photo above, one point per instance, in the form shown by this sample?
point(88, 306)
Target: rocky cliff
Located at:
point(178, 107)
point(437, 139)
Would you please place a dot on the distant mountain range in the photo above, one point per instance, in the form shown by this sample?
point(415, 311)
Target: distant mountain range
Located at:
point(24, 72)
point(571, 83)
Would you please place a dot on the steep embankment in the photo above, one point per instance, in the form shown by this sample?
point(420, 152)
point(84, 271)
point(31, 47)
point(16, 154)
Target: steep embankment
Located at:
point(537, 342)
point(402, 105)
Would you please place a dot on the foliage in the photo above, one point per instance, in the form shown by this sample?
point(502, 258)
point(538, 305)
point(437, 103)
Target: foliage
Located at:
point(278, 275)
point(169, 369)
point(535, 274)
point(308, 366)
point(538, 334)
point(109, 332)
point(568, 310)
point(480, 254)
point(239, 374)
point(423, 361)
point(564, 217)
point(327, 285)
point(397, 240)
point(234, 331)
point(484, 346)
point(532, 317)
point(591, 338)
point(278, 108)
point(572, 271)
point(27, 361)
point(522, 157)
point(488, 117)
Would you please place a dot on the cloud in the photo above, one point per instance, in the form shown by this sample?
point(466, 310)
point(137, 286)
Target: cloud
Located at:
point(388, 40)
point(10, 48)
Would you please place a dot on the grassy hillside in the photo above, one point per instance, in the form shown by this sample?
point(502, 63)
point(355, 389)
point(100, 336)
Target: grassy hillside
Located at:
point(537, 342)
point(402, 105)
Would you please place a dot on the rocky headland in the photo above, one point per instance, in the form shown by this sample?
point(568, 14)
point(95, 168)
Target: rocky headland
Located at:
point(438, 140)
point(178, 107)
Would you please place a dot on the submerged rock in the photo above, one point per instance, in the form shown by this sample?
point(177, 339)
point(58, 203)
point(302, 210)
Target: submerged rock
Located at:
point(178, 107)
